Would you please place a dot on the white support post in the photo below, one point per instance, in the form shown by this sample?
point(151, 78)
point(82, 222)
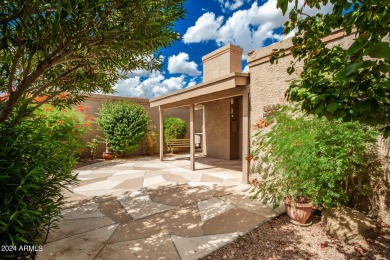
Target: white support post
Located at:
point(161, 136)
point(192, 138)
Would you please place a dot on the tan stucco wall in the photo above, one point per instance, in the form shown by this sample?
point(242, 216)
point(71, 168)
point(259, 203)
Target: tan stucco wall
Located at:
point(269, 82)
point(95, 102)
point(217, 127)
point(221, 62)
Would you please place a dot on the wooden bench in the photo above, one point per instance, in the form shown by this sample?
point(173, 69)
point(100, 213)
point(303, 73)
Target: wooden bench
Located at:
point(177, 143)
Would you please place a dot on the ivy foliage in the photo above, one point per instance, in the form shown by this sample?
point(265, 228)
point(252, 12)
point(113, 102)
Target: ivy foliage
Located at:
point(349, 83)
point(124, 124)
point(313, 158)
point(48, 47)
point(174, 128)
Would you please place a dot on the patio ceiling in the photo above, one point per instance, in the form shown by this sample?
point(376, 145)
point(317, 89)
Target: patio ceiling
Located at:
point(227, 86)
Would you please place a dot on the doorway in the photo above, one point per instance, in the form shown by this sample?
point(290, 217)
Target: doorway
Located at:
point(235, 128)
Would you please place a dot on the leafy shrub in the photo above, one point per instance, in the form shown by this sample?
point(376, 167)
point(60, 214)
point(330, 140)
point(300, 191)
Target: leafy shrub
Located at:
point(174, 128)
point(124, 125)
point(150, 145)
point(36, 160)
point(310, 157)
point(92, 147)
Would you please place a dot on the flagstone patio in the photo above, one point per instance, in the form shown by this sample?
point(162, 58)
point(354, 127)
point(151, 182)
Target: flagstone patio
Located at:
point(143, 208)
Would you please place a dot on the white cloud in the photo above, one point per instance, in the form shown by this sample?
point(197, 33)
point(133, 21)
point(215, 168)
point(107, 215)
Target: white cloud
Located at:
point(246, 69)
point(180, 64)
point(205, 28)
point(247, 28)
point(124, 87)
point(154, 85)
point(191, 83)
point(139, 73)
point(230, 5)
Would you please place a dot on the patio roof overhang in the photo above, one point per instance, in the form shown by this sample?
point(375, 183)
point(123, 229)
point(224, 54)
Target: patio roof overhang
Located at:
point(227, 86)
point(231, 85)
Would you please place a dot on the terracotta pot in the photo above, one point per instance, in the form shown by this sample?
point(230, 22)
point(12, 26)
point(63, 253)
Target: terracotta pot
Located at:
point(108, 155)
point(300, 212)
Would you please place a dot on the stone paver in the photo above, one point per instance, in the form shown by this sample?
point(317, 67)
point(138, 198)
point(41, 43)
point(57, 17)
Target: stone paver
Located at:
point(114, 210)
point(139, 205)
point(155, 247)
point(251, 205)
point(131, 184)
point(153, 181)
point(147, 209)
point(212, 208)
point(180, 195)
point(83, 246)
point(70, 227)
point(100, 185)
point(83, 211)
point(195, 247)
point(234, 220)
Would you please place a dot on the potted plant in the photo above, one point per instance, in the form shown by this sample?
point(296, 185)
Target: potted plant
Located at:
point(107, 155)
point(304, 160)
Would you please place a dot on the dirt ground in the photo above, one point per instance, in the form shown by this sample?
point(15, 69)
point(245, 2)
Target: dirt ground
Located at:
point(278, 239)
point(86, 161)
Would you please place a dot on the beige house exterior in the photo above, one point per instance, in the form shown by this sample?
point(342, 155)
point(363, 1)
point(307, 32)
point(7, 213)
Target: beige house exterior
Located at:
point(226, 106)
point(232, 101)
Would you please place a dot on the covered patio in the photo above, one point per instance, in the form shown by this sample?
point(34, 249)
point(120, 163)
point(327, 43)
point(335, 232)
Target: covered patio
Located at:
point(232, 90)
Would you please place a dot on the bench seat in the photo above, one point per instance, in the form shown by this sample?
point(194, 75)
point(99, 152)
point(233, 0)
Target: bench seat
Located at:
point(177, 143)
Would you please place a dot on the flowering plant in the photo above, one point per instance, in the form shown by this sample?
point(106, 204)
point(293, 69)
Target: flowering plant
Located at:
point(309, 157)
point(66, 126)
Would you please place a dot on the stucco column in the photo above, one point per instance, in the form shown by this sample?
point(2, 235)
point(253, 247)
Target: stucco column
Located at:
point(192, 137)
point(161, 117)
point(245, 136)
point(204, 145)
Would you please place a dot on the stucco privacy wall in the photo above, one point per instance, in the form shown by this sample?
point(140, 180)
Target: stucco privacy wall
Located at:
point(95, 101)
point(217, 128)
point(269, 82)
point(268, 86)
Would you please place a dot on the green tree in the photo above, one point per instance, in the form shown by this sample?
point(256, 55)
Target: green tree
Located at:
point(174, 128)
point(352, 83)
point(76, 47)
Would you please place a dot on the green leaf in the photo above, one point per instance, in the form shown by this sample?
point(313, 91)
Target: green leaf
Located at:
point(386, 132)
point(357, 46)
point(342, 74)
point(339, 113)
point(290, 70)
point(283, 5)
point(332, 107)
point(385, 19)
point(362, 106)
point(379, 50)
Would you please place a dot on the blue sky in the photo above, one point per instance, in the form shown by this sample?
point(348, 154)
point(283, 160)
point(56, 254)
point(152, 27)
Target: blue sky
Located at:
point(208, 25)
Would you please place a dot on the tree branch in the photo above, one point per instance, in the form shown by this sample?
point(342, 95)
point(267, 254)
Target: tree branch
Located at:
point(64, 74)
point(14, 65)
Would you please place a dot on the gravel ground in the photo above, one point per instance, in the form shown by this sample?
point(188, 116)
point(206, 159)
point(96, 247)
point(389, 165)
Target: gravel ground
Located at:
point(278, 239)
